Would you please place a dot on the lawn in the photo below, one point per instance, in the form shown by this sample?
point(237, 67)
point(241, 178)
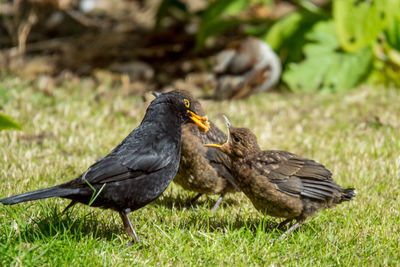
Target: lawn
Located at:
point(355, 135)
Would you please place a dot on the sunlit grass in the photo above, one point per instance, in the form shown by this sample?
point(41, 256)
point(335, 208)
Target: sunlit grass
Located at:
point(355, 135)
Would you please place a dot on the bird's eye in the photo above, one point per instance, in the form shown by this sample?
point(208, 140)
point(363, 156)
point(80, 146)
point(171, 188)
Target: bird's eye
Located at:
point(187, 103)
point(236, 139)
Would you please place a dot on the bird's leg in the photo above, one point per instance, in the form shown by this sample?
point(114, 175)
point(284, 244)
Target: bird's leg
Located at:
point(72, 203)
point(290, 230)
point(128, 226)
point(195, 198)
point(216, 205)
point(283, 223)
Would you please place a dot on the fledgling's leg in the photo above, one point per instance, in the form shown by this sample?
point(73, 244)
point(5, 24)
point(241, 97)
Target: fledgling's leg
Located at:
point(291, 229)
point(216, 205)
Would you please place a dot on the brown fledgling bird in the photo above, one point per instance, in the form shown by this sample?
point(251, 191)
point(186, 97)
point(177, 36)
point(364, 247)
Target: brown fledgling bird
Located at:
point(279, 183)
point(204, 170)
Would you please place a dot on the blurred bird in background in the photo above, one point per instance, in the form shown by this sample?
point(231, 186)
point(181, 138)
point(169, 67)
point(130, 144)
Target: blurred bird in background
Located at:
point(247, 66)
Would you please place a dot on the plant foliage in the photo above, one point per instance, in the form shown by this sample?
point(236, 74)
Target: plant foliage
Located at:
point(7, 123)
point(358, 23)
point(326, 67)
point(218, 17)
point(333, 47)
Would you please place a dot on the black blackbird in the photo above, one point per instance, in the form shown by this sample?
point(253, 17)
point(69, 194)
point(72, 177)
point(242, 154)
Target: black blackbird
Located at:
point(204, 170)
point(280, 183)
point(138, 170)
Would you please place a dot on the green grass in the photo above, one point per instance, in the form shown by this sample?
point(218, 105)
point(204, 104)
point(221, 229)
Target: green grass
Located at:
point(356, 136)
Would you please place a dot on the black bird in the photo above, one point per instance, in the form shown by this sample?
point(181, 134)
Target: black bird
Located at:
point(138, 170)
point(280, 183)
point(204, 170)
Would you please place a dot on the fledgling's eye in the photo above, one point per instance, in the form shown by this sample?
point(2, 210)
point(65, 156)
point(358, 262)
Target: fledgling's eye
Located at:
point(236, 139)
point(187, 103)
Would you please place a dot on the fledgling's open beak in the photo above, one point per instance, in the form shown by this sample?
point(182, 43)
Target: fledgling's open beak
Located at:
point(213, 145)
point(223, 146)
point(201, 122)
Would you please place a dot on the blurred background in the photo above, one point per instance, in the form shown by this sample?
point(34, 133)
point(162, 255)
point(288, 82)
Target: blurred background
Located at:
point(300, 45)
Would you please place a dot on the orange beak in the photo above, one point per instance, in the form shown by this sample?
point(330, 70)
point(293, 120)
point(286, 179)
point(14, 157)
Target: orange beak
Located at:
point(201, 122)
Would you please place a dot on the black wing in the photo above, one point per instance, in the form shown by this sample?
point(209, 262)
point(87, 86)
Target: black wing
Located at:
point(135, 157)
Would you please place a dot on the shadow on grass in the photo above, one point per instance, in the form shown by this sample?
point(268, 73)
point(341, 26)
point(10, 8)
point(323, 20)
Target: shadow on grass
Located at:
point(180, 202)
point(220, 221)
point(55, 223)
point(72, 225)
point(227, 224)
point(213, 222)
point(209, 222)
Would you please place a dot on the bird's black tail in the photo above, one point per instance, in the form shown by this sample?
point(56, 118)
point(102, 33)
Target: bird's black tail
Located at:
point(55, 191)
point(348, 194)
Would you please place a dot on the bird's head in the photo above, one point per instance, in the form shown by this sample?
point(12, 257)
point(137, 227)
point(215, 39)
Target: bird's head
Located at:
point(240, 143)
point(186, 106)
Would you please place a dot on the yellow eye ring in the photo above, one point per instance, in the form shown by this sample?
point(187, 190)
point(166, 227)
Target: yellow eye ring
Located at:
point(187, 103)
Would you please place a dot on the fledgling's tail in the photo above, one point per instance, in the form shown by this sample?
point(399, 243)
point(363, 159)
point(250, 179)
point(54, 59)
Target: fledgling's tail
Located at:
point(348, 194)
point(54, 191)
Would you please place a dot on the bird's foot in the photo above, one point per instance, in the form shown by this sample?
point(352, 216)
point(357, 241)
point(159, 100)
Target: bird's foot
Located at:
point(136, 240)
point(130, 243)
point(216, 205)
point(290, 230)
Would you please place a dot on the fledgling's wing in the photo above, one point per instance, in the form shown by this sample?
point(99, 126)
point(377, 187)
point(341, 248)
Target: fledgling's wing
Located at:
point(297, 176)
point(219, 160)
point(221, 163)
point(214, 135)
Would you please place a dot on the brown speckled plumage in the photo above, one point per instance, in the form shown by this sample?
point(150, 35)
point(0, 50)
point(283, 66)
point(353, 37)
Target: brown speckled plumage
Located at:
point(280, 183)
point(204, 170)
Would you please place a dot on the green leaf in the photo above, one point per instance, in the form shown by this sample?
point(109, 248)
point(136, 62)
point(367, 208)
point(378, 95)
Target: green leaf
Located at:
point(358, 22)
point(8, 123)
point(287, 36)
point(283, 29)
point(392, 32)
point(218, 17)
point(258, 29)
point(325, 67)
